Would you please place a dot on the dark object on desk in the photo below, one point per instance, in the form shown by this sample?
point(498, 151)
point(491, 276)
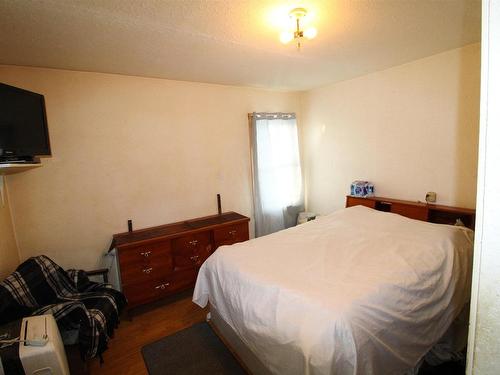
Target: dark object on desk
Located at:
point(219, 205)
point(129, 225)
point(174, 354)
point(39, 286)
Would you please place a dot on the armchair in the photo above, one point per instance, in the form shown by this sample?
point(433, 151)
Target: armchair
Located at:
point(100, 272)
point(40, 286)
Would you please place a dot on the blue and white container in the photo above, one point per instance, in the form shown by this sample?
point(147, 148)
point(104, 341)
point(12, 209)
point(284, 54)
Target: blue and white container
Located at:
point(362, 189)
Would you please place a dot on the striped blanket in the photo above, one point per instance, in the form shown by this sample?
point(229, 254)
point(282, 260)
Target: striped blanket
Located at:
point(40, 286)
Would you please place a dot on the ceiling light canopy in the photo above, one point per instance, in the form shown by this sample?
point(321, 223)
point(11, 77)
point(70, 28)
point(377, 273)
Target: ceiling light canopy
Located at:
point(298, 33)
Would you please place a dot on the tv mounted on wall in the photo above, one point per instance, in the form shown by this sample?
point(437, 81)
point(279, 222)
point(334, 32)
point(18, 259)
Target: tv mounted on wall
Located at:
point(24, 134)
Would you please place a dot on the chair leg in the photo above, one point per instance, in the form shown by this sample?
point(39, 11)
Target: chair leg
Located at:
point(129, 314)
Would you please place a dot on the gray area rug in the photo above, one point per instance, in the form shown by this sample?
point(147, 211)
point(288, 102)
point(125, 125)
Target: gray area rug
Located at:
point(195, 350)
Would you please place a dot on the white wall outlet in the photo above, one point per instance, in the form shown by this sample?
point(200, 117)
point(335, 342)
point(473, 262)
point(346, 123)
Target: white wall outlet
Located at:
point(430, 197)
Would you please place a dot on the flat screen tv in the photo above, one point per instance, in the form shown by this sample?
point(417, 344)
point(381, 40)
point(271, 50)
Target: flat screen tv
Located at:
point(23, 125)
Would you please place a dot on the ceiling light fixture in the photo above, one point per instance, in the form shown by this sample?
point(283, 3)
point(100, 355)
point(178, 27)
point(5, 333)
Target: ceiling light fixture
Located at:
point(298, 34)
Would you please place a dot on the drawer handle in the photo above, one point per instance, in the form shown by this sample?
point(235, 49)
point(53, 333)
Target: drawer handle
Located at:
point(195, 258)
point(146, 254)
point(162, 286)
point(147, 270)
point(193, 242)
point(232, 232)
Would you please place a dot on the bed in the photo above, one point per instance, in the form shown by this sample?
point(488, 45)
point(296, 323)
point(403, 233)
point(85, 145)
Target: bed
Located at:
point(356, 292)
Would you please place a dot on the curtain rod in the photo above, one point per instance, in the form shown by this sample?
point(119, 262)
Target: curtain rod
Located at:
point(272, 115)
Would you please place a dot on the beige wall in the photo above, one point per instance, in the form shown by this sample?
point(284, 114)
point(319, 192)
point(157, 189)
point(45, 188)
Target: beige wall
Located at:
point(157, 151)
point(9, 255)
point(152, 150)
point(409, 129)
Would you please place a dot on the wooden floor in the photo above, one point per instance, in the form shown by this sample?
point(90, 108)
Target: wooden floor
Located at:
point(148, 324)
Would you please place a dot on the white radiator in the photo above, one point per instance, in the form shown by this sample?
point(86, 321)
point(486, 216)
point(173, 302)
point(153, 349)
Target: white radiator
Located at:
point(41, 350)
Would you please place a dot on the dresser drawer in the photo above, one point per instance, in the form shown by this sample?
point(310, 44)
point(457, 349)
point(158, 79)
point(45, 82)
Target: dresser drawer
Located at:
point(191, 250)
point(231, 234)
point(146, 291)
point(183, 279)
point(142, 263)
point(150, 290)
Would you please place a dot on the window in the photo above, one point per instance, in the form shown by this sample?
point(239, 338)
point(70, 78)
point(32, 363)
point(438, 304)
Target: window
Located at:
point(277, 175)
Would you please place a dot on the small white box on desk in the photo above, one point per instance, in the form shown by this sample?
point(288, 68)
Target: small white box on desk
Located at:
point(43, 351)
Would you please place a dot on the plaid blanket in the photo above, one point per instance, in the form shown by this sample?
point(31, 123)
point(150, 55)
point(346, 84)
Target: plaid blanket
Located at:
point(40, 286)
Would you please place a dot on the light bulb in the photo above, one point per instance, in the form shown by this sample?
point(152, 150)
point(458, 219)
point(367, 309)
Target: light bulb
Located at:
point(310, 33)
point(286, 37)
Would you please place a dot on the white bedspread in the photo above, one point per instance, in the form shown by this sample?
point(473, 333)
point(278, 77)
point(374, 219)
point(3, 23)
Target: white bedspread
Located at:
point(355, 292)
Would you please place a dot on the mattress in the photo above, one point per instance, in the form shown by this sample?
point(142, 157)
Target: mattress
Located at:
point(355, 292)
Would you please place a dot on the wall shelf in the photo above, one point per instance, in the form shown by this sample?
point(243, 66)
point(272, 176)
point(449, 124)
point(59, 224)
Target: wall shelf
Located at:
point(16, 168)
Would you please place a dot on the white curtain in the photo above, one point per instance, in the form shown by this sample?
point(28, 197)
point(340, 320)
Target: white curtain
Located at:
point(277, 175)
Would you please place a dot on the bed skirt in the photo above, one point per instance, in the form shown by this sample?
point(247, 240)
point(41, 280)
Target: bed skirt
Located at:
point(455, 338)
point(244, 355)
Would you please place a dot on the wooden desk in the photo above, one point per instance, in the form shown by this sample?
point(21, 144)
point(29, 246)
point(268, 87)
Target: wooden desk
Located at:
point(434, 213)
point(160, 261)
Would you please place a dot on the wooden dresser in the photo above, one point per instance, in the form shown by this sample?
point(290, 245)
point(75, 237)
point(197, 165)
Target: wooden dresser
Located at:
point(159, 261)
point(434, 213)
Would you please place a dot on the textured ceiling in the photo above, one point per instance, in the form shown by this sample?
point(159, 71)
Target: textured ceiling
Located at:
point(231, 42)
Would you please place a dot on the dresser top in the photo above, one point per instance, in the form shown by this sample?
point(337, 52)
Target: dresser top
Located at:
point(434, 213)
point(430, 206)
point(178, 228)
